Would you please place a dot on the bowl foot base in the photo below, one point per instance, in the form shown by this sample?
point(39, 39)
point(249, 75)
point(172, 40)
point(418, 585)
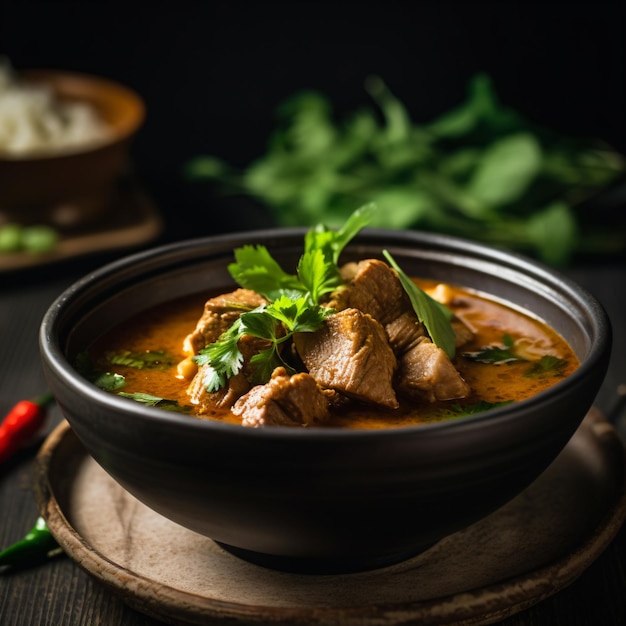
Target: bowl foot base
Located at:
point(321, 565)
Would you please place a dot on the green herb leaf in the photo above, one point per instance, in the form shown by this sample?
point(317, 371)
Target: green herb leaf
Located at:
point(547, 365)
point(109, 381)
point(256, 269)
point(493, 354)
point(104, 380)
point(479, 170)
point(298, 315)
point(223, 357)
point(259, 323)
point(151, 400)
point(506, 169)
point(496, 354)
point(332, 242)
point(434, 315)
point(318, 276)
point(543, 226)
point(398, 122)
point(461, 410)
point(264, 362)
point(150, 359)
point(275, 323)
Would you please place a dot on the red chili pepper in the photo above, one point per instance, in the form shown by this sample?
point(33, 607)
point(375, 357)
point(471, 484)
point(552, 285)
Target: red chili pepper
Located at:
point(22, 424)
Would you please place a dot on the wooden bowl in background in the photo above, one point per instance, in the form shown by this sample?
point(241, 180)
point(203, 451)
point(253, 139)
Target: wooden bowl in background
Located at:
point(34, 183)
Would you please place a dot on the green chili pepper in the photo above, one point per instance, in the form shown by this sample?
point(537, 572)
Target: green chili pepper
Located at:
point(38, 543)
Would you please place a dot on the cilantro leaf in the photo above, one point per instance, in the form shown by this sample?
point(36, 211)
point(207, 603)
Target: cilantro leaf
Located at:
point(496, 354)
point(259, 323)
point(255, 269)
point(264, 362)
point(317, 271)
point(298, 315)
point(317, 275)
point(222, 357)
point(332, 242)
point(276, 323)
point(318, 268)
point(293, 301)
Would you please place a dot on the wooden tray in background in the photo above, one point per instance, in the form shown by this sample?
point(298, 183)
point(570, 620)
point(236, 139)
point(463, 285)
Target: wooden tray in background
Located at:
point(131, 220)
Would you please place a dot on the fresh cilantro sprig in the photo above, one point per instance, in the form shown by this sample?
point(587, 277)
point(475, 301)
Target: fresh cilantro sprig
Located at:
point(275, 323)
point(254, 268)
point(294, 302)
point(317, 272)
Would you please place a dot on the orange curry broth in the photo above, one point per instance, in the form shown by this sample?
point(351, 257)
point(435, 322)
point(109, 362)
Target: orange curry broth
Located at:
point(165, 327)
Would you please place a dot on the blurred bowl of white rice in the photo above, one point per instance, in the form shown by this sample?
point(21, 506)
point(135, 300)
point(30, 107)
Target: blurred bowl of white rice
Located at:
point(64, 139)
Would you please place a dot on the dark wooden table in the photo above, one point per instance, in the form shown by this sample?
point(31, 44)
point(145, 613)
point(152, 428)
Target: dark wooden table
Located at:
point(59, 593)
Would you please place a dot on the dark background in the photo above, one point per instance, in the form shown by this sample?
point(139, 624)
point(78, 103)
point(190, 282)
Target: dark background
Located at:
point(212, 74)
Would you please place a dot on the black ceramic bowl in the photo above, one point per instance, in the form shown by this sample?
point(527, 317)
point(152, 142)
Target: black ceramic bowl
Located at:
point(316, 499)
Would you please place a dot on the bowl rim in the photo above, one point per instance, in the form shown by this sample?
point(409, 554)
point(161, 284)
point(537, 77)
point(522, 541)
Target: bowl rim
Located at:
point(53, 353)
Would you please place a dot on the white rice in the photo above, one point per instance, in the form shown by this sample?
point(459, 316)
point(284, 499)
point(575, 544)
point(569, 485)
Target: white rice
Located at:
point(33, 120)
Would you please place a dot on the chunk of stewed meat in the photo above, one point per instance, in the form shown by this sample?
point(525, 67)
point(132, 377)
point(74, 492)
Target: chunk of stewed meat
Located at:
point(426, 373)
point(225, 397)
point(372, 287)
point(462, 332)
point(375, 288)
point(404, 332)
point(206, 402)
point(351, 355)
point(218, 316)
point(283, 401)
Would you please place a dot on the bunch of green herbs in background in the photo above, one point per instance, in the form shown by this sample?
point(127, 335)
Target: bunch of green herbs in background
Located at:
point(480, 170)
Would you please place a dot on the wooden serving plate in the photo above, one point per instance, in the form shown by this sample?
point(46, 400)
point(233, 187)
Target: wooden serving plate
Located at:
point(523, 553)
